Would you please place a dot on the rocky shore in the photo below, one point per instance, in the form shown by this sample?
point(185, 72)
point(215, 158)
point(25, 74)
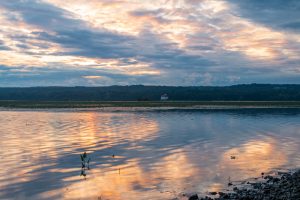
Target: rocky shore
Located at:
point(281, 186)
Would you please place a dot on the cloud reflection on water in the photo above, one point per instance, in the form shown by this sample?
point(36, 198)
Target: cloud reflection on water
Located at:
point(159, 154)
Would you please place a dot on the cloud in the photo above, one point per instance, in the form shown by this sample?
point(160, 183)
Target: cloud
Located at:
point(40, 14)
point(279, 14)
point(90, 43)
point(3, 46)
point(92, 77)
point(177, 42)
point(292, 25)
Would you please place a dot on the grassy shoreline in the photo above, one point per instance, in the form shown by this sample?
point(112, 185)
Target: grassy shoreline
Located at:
point(148, 104)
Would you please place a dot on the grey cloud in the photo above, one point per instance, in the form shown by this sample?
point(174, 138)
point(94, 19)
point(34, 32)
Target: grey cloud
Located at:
point(292, 25)
point(80, 40)
point(91, 43)
point(69, 33)
point(3, 46)
point(279, 14)
point(4, 68)
point(146, 12)
point(72, 77)
point(46, 76)
point(41, 14)
point(219, 67)
point(157, 14)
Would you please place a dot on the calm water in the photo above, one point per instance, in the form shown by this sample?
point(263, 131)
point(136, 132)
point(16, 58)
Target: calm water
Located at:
point(158, 154)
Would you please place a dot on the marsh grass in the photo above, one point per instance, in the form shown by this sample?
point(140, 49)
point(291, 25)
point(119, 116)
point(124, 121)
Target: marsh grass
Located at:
point(149, 104)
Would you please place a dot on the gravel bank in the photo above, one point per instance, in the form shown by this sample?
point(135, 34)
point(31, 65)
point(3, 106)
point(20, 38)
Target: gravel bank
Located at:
point(282, 186)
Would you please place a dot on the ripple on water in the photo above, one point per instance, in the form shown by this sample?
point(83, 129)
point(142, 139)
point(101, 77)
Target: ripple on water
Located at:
point(151, 155)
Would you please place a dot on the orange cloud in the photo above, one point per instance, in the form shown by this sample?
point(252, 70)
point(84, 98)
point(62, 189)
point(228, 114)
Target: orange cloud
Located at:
point(92, 77)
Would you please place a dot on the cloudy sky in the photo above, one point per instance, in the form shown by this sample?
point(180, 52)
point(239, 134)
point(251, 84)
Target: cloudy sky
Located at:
point(151, 42)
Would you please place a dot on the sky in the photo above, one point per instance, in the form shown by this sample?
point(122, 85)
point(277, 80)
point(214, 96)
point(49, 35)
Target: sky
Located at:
point(150, 42)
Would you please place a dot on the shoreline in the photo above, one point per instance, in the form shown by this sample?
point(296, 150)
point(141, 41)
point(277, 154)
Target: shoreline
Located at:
point(270, 186)
point(143, 109)
point(145, 105)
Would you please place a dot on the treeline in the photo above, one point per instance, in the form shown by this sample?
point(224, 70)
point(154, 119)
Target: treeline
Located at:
point(252, 92)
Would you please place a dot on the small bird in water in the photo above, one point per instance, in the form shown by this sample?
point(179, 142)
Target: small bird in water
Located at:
point(232, 157)
point(113, 155)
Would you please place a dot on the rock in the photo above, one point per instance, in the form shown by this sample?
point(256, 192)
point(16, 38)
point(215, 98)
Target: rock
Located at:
point(226, 196)
point(221, 193)
point(282, 173)
point(194, 197)
point(284, 186)
point(276, 180)
point(268, 177)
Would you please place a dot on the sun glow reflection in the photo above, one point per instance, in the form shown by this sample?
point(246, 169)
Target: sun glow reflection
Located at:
point(254, 157)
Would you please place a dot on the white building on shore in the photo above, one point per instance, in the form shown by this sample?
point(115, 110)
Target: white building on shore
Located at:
point(164, 97)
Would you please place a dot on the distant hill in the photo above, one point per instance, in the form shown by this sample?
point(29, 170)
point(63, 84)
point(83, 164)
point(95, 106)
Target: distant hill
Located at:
point(251, 92)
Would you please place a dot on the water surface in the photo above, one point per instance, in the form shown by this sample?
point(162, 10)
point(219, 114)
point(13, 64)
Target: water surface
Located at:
point(158, 155)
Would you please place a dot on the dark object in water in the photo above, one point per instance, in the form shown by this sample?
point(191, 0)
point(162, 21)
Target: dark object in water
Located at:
point(85, 161)
point(83, 173)
point(85, 164)
point(232, 157)
point(83, 156)
point(194, 197)
point(229, 181)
